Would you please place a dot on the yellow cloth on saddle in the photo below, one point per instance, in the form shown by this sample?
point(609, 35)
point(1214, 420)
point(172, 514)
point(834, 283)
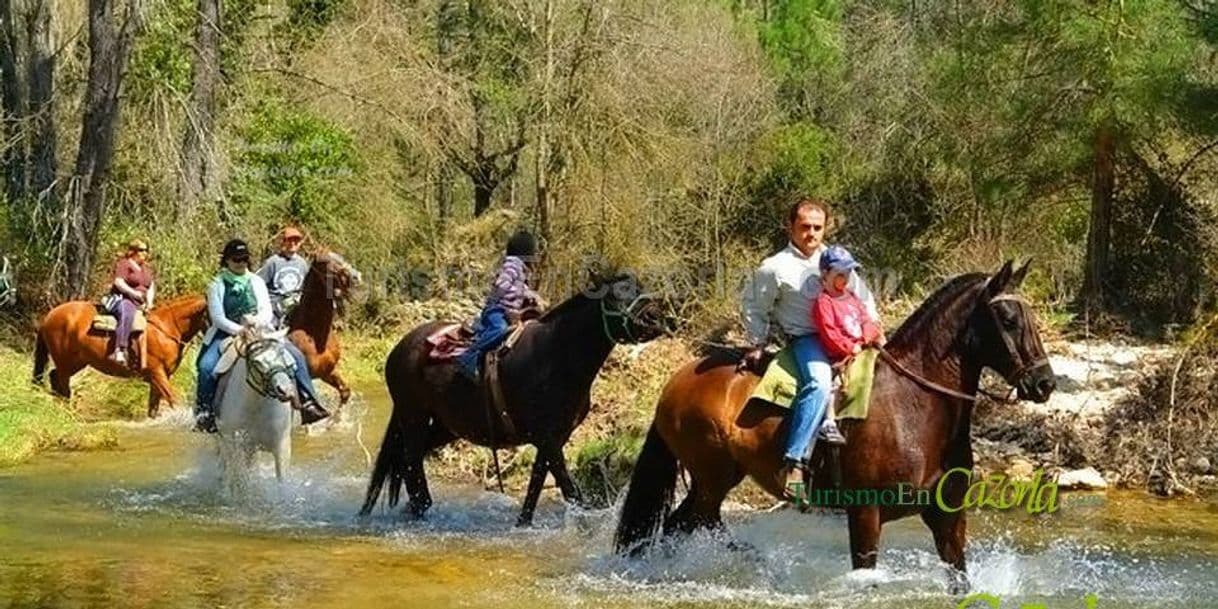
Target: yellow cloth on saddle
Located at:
point(780, 380)
point(105, 322)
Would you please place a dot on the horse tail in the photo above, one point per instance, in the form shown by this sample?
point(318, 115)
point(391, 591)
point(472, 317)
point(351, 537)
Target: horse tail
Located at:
point(649, 499)
point(41, 356)
point(390, 466)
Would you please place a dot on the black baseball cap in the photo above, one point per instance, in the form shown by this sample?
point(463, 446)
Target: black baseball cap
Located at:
point(235, 249)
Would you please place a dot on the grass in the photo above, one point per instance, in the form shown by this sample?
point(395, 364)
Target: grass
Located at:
point(31, 420)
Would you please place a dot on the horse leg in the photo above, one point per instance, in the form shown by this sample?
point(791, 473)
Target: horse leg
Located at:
point(949, 533)
point(536, 480)
point(158, 389)
point(61, 380)
point(344, 390)
point(417, 442)
point(562, 476)
point(864, 524)
point(283, 456)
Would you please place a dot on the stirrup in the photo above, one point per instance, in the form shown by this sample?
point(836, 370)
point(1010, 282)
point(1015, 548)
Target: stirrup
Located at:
point(832, 435)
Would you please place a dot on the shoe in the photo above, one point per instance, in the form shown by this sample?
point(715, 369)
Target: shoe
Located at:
point(793, 481)
point(205, 422)
point(312, 412)
point(119, 357)
point(830, 433)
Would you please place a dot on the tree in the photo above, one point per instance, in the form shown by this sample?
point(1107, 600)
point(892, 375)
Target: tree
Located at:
point(109, 49)
point(27, 73)
point(197, 178)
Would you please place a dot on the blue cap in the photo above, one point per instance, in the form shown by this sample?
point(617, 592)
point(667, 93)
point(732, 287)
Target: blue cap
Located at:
point(837, 258)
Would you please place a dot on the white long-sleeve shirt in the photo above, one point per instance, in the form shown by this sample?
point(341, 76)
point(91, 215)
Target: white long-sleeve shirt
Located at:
point(782, 291)
point(215, 307)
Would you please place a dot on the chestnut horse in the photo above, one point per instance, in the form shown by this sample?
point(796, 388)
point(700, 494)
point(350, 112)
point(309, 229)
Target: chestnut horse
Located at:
point(311, 323)
point(914, 432)
point(546, 380)
point(65, 336)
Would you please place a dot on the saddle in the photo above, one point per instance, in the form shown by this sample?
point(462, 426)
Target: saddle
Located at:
point(850, 397)
point(105, 323)
point(449, 342)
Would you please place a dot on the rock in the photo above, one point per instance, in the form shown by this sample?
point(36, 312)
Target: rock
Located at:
point(1020, 469)
point(1209, 481)
point(1081, 479)
point(1200, 465)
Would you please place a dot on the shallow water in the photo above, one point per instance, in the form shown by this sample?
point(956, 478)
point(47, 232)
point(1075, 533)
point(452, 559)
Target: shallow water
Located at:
point(150, 526)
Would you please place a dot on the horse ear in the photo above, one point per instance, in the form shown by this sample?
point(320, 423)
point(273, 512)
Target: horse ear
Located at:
point(1018, 276)
point(998, 283)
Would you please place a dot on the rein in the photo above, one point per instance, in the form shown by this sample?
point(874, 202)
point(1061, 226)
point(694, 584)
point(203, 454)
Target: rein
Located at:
point(1017, 376)
point(624, 317)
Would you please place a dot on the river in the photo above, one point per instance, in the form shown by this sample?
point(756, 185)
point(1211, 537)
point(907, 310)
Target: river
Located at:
point(148, 525)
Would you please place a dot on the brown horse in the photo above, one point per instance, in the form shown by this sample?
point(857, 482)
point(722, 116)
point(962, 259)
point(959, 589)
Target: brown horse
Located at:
point(914, 432)
point(546, 379)
point(65, 336)
point(311, 323)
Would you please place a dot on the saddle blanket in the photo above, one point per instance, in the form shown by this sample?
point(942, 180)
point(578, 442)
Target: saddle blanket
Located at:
point(780, 380)
point(105, 322)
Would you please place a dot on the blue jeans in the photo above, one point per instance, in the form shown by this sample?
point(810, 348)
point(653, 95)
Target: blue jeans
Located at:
point(493, 326)
point(124, 311)
point(808, 407)
point(209, 356)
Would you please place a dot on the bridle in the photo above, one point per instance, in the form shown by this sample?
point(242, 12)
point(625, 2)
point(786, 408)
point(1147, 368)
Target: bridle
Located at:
point(1015, 378)
point(1024, 368)
point(623, 317)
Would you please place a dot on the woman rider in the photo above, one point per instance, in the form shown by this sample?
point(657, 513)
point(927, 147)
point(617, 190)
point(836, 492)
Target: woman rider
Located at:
point(237, 298)
point(131, 290)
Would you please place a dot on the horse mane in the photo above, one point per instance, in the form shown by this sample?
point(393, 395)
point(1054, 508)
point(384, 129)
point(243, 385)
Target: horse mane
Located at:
point(581, 296)
point(915, 326)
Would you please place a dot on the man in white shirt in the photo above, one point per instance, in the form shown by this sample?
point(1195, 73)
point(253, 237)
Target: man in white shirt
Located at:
point(781, 292)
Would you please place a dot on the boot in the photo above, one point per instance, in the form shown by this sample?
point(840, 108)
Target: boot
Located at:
point(205, 421)
point(312, 412)
point(792, 475)
point(832, 434)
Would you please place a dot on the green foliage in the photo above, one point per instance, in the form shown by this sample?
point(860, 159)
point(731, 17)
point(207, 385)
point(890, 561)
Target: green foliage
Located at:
point(803, 40)
point(293, 165)
point(307, 18)
point(160, 60)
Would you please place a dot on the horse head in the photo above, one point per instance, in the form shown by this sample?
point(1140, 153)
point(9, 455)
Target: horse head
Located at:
point(1005, 338)
point(269, 365)
point(337, 275)
point(629, 314)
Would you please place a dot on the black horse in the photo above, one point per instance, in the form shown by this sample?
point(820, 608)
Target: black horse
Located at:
point(546, 380)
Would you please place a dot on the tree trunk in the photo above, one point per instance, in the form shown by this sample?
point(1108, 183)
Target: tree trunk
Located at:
point(447, 21)
point(12, 95)
point(41, 83)
point(484, 191)
point(1099, 233)
point(197, 179)
point(109, 48)
point(543, 137)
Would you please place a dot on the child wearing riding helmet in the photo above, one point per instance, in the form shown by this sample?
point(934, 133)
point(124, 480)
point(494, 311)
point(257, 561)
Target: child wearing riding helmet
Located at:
point(237, 297)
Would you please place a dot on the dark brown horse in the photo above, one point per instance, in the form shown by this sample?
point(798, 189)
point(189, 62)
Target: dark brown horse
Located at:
point(546, 379)
point(914, 433)
point(311, 324)
point(65, 336)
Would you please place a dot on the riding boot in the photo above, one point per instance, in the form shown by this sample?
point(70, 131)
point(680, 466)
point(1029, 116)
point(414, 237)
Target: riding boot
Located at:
point(792, 477)
point(312, 412)
point(205, 420)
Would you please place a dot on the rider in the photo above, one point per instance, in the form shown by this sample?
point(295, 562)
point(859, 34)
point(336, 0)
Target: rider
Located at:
point(284, 274)
point(510, 296)
point(236, 299)
point(132, 289)
point(783, 289)
point(841, 319)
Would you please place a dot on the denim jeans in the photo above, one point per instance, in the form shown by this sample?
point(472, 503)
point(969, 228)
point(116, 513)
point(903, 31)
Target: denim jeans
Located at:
point(304, 382)
point(811, 397)
point(124, 311)
point(493, 326)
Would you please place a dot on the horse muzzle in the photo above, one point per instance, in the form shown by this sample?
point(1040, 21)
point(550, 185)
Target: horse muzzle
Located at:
point(1037, 385)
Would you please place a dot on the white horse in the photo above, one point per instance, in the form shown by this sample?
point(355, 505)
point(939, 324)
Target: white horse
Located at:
point(257, 398)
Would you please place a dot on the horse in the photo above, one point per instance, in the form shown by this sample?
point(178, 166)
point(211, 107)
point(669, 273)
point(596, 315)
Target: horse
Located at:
point(546, 381)
point(917, 427)
point(65, 336)
point(255, 403)
point(8, 292)
point(311, 323)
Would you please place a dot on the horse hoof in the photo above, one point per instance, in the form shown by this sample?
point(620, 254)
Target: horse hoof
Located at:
point(524, 522)
point(958, 584)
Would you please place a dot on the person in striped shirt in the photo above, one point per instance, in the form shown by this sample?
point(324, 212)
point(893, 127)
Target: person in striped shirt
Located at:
point(510, 296)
